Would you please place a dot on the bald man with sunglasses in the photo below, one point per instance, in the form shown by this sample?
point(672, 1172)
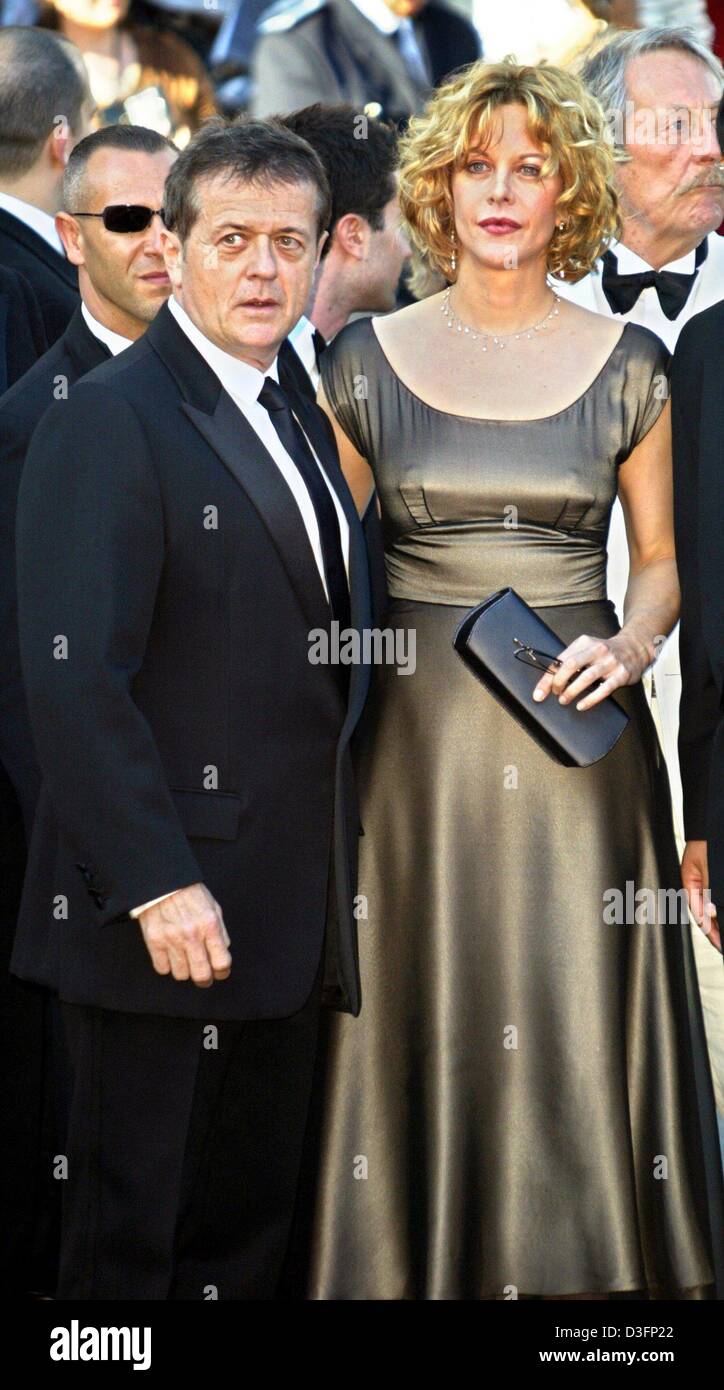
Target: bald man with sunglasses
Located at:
point(112, 191)
point(110, 228)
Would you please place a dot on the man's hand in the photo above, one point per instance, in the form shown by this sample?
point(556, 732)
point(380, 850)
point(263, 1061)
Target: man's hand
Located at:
point(695, 878)
point(186, 937)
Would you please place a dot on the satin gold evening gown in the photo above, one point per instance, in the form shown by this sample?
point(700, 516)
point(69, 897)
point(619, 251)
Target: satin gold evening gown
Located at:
point(524, 1105)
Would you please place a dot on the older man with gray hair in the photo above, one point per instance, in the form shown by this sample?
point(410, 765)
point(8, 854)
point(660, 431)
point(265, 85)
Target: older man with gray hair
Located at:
point(661, 90)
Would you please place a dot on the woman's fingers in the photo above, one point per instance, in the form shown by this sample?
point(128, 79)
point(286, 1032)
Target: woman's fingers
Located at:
point(572, 661)
point(583, 664)
point(618, 677)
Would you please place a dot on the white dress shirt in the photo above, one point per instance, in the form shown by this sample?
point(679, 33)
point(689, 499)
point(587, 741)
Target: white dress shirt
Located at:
point(113, 341)
point(243, 383)
point(302, 340)
point(708, 289)
point(383, 18)
point(379, 14)
point(34, 218)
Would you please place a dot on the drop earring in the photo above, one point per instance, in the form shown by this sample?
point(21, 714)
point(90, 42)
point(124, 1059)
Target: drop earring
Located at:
point(453, 258)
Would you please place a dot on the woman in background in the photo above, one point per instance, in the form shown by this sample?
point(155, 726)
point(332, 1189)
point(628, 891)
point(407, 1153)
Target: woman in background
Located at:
point(139, 73)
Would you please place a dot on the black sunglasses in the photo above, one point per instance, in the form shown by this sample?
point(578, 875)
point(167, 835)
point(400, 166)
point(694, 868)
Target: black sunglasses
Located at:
point(124, 217)
point(531, 657)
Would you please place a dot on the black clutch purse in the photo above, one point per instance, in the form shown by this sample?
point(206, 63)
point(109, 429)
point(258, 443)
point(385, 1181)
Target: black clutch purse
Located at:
point(507, 646)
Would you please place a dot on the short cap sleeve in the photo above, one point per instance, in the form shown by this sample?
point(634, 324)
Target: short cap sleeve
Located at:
point(346, 367)
point(647, 384)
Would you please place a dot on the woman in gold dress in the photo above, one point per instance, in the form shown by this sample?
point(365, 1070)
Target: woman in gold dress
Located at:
point(523, 1107)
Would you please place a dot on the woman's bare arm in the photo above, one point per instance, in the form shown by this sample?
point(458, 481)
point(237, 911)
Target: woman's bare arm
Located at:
point(645, 487)
point(356, 469)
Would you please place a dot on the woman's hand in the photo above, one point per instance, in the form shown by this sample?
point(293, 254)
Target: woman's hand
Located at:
point(619, 660)
point(695, 878)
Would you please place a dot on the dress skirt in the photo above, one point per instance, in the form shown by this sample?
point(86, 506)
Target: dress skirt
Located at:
point(524, 1106)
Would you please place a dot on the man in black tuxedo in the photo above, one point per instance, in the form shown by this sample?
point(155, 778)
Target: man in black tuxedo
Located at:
point(123, 282)
point(45, 108)
point(697, 375)
point(196, 764)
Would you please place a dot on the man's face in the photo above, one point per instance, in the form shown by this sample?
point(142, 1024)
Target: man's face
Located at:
point(673, 182)
point(92, 14)
point(126, 271)
point(389, 249)
point(245, 272)
point(406, 9)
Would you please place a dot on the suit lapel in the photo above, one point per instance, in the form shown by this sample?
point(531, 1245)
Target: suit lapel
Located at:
point(377, 56)
point(227, 431)
point(85, 350)
point(238, 446)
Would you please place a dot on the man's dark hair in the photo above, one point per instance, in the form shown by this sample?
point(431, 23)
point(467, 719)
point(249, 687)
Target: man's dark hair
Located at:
point(359, 155)
point(250, 151)
point(42, 81)
point(111, 137)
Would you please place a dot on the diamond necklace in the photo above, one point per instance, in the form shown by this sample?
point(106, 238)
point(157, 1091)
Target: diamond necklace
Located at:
point(499, 339)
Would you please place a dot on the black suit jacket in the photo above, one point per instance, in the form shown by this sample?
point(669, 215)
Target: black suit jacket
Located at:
point(21, 408)
point(182, 731)
point(697, 377)
point(52, 278)
point(22, 335)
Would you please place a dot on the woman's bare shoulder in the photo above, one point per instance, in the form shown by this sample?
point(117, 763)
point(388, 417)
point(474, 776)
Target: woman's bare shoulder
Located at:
point(403, 327)
point(599, 330)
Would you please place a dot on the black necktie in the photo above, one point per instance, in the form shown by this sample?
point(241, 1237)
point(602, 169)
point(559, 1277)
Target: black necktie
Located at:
point(673, 289)
point(294, 441)
point(319, 345)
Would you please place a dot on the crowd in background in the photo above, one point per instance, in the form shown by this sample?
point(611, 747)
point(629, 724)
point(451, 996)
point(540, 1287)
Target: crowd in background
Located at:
point(168, 64)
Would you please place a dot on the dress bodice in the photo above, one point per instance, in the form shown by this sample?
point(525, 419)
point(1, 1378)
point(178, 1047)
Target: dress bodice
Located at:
point(472, 505)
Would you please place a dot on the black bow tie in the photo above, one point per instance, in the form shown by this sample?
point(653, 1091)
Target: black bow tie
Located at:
point(673, 289)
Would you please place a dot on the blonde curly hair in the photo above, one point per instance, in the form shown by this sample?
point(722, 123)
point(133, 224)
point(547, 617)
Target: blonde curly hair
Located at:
point(563, 118)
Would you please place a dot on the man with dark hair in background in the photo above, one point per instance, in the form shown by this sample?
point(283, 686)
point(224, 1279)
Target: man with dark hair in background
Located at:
point(367, 248)
point(45, 108)
point(123, 283)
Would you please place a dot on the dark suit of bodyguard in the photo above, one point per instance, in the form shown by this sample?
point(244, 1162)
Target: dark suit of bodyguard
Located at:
point(167, 590)
point(327, 50)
